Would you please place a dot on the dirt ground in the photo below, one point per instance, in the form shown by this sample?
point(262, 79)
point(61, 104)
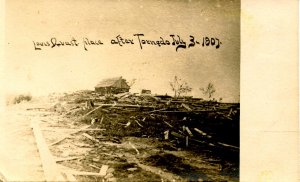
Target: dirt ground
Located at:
point(19, 157)
point(133, 148)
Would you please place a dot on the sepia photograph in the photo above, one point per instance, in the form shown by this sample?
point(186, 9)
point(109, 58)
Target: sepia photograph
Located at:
point(121, 90)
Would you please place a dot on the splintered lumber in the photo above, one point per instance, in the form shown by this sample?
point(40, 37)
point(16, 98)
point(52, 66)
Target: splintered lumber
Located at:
point(198, 141)
point(166, 134)
point(128, 124)
point(89, 137)
point(163, 109)
point(103, 170)
point(121, 105)
point(138, 123)
point(101, 120)
point(50, 168)
point(230, 112)
point(94, 166)
point(189, 131)
point(186, 107)
point(58, 141)
point(92, 111)
point(121, 95)
point(226, 145)
point(200, 132)
point(68, 135)
point(168, 124)
point(177, 135)
point(66, 159)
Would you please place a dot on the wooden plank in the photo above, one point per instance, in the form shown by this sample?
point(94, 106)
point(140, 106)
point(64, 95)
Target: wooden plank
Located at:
point(177, 135)
point(226, 145)
point(60, 140)
point(186, 107)
point(166, 134)
point(68, 135)
point(92, 111)
point(189, 131)
point(124, 105)
point(94, 166)
point(138, 123)
point(101, 120)
point(50, 168)
point(200, 132)
point(66, 159)
point(103, 170)
point(168, 124)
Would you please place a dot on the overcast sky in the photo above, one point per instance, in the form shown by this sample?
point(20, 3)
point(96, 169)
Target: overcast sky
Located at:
point(73, 68)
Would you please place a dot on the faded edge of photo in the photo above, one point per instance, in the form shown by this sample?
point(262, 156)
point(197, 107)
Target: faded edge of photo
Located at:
point(269, 91)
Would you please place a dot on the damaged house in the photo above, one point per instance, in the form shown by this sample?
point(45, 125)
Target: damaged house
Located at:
point(112, 86)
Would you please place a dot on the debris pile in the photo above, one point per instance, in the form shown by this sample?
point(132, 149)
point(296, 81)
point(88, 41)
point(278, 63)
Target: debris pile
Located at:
point(140, 137)
point(185, 121)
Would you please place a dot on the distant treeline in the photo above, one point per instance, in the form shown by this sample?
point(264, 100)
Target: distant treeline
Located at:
point(16, 99)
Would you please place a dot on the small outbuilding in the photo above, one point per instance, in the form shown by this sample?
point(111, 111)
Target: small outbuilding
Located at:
point(112, 86)
point(146, 92)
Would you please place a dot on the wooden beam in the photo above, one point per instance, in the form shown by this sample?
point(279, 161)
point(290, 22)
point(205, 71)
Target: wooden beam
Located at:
point(66, 159)
point(230, 146)
point(186, 107)
point(189, 131)
point(51, 171)
point(92, 111)
point(168, 124)
point(68, 135)
point(124, 105)
point(103, 170)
